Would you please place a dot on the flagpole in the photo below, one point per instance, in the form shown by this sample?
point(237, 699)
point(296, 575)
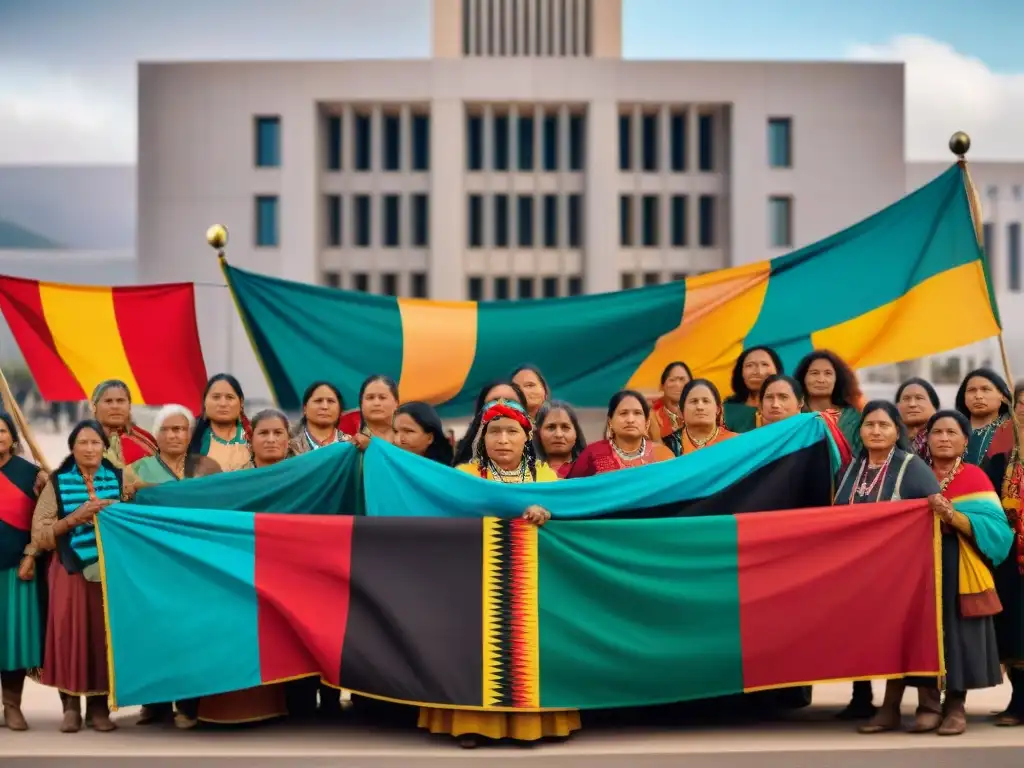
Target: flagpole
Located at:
point(959, 145)
point(12, 407)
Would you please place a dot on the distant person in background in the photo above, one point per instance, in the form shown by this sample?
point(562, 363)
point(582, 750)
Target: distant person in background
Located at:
point(534, 386)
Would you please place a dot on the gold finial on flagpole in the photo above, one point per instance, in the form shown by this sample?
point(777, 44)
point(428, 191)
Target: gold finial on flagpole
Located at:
point(959, 144)
point(217, 237)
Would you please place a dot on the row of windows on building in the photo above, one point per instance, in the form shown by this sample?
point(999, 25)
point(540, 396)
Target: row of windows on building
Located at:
point(386, 283)
point(647, 212)
point(501, 287)
point(1014, 275)
point(524, 221)
point(527, 27)
point(537, 142)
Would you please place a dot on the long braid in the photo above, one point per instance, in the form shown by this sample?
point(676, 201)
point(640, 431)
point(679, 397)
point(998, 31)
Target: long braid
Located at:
point(481, 457)
point(531, 458)
point(464, 450)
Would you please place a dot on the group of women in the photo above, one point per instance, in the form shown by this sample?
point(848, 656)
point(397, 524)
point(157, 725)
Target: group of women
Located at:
point(520, 434)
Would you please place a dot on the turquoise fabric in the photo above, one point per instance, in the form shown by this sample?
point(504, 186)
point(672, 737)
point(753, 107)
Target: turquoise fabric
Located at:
point(992, 534)
point(400, 484)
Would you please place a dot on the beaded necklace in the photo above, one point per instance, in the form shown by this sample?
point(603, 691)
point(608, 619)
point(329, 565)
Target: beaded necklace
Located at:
point(984, 437)
point(505, 475)
point(701, 443)
point(861, 487)
point(630, 455)
point(957, 466)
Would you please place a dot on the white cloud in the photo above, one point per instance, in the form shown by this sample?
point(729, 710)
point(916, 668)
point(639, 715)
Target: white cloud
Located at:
point(947, 91)
point(56, 117)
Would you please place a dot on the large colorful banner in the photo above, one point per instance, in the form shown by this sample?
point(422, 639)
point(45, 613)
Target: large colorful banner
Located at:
point(861, 293)
point(498, 614)
point(75, 336)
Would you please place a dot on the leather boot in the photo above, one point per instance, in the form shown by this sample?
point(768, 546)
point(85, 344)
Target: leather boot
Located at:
point(888, 717)
point(100, 714)
point(929, 711)
point(72, 720)
point(1013, 715)
point(954, 720)
point(861, 705)
point(12, 684)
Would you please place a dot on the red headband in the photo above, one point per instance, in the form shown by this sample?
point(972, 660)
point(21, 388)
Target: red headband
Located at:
point(504, 409)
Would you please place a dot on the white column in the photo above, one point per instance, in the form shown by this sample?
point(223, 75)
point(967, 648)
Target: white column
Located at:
point(447, 212)
point(563, 139)
point(376, 139)
point(405, 138)
point(692, 139)
point(600, 203)
point(348, 139)
point(488, 142)
point(636, 138)
point(298, 209)
point(513, 139)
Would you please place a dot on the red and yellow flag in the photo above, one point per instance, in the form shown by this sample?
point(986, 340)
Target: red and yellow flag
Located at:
point(75, 336)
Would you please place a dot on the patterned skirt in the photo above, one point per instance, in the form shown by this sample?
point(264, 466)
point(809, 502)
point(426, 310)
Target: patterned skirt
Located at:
point(21, 621)
point(75, 661)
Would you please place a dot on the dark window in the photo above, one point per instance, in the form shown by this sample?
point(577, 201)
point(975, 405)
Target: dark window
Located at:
point(466, 34)
point(551, 142)
point(679, 222)
point(475, 288)
point(575, 221)
point(625, 143)
point(625, 221)
point(501, 221)
point(392, 142)
point(333, 220)
point(575, 285)
point(988, 242)
point(333, 143)
point(1013, 253)
point(474, 143)
point(391, 232)
point(550, 287)
point(652, 278)
point(268, 142)
point(524, 220)
point(677, 129)
point(649, 205)
point(780, 222)
point(501, 288)
point(421, 142)
point(362, 142)
point(706, 215)
point(419, 285)
point(550, 221)
point(362, 213)
point(524, 134)
point(780, 142)
point(649, 140)
point(501, 142)
point(331, 279)
point(706, 140)
point(524, 287)
point(266, 221)
point(475, 221)
point(677, 276)
point(420, 220)
point(627, 281)
point(577, 142)
point(389, 284)
point(360, 282)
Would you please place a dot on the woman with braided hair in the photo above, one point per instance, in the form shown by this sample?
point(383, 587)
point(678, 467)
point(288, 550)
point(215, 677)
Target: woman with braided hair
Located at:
point(499, 389)
point(504, 450)
point(222, 431)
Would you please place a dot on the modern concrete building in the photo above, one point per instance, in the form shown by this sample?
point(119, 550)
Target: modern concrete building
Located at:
point(524, 159)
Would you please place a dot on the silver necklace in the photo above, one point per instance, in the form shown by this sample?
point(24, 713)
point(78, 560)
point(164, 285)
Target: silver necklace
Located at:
point(631, 455)
point(502, 474)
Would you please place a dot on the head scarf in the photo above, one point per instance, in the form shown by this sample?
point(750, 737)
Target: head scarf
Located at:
point(505, 409)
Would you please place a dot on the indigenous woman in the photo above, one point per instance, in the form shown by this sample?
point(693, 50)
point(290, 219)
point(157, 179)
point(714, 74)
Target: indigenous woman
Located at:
point(264, 702)
point(112, 408)
point(75, 659)
point(378, 399)
point(832, 390)
point(751, 369)
point(985, 399)
point(557, 436)
point(972, 537)
point(667, 411)
point(781, 397)
point(504, 454)
point(917, 400)
point(418, 429)
point(322, 405)
point(534, 386)
point(22, 613)
point(1018, 402)
point(885, 470)
point(627, 444)
point(222, 430)
point(499, 389)
point(703, 423)
point(173, 426)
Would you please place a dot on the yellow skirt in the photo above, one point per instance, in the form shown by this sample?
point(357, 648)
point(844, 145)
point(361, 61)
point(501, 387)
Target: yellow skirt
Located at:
point(523, 726)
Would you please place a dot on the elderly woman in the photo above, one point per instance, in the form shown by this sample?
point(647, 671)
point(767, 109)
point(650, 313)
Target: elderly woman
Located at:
point(22, 610)
point(112, 408)
point(667, 410)
point(322, 405)
point(985, 399)
point(742, 412)
point(534, 386)
point(75, 659)
point(917, 400)
point(557, 437)
point(222, 429)
point(504, 454)
point(270, 437)
point(971, 539)
point(626, 445)
point(173, 426)
point(884, 470)
point(832, 389)
point(499, 389)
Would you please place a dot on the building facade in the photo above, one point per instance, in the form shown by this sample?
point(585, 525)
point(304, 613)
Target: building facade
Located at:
point(524, 160)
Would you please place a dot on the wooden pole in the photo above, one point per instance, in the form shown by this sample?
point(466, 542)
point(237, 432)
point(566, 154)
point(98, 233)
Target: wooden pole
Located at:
point(12, 407)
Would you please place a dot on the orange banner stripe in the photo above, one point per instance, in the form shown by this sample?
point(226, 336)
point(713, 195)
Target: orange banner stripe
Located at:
point(438, 348)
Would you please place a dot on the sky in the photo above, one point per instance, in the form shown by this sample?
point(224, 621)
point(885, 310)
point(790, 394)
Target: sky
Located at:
point(67, 67)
